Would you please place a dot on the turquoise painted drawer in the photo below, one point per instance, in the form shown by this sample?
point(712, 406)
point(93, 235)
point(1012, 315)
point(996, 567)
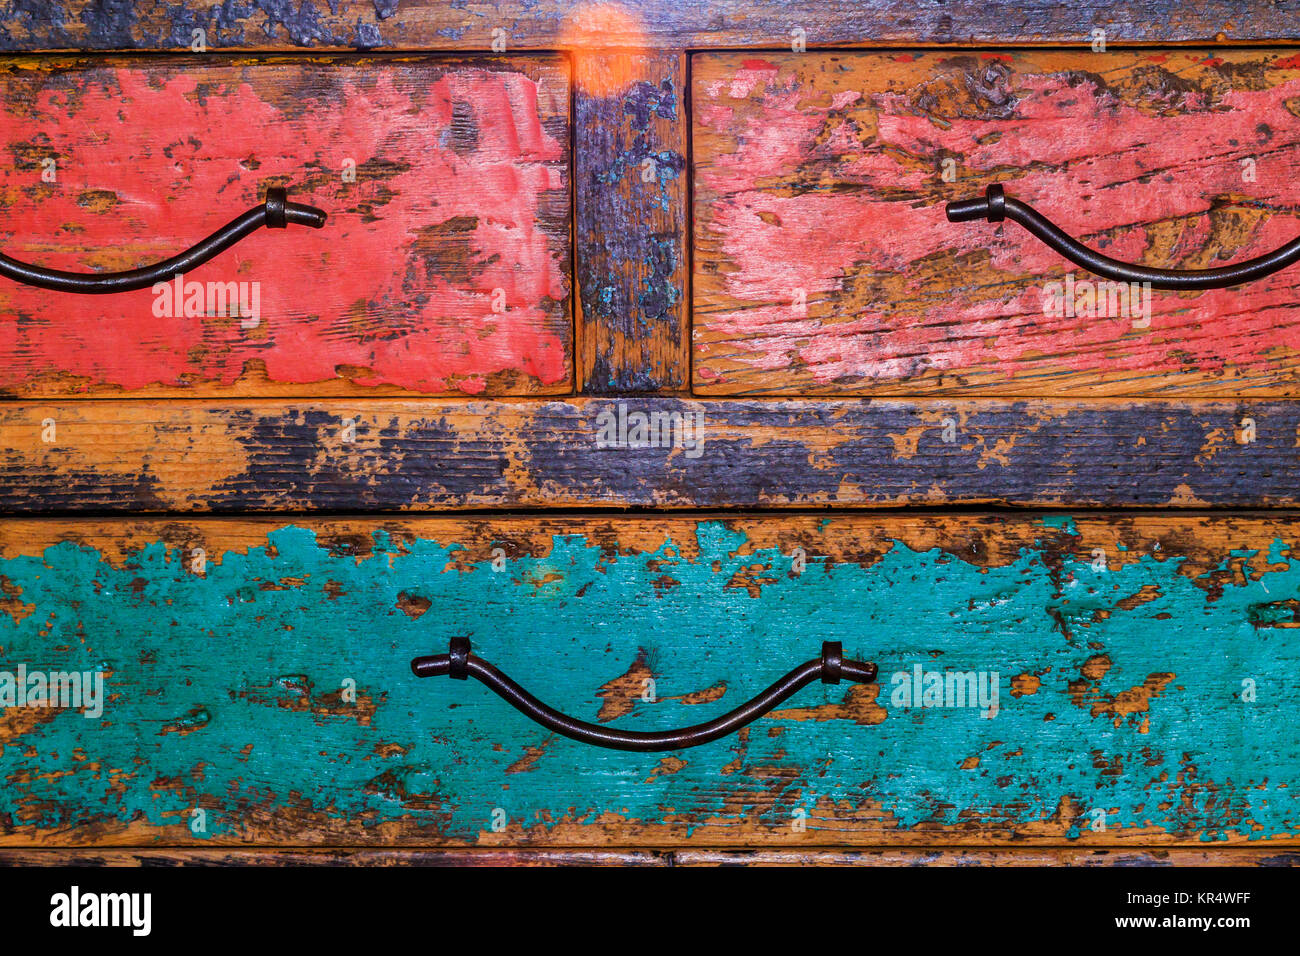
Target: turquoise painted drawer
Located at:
point(1044, 680)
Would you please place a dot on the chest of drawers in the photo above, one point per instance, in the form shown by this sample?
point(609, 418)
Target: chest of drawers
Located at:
point(637, 349)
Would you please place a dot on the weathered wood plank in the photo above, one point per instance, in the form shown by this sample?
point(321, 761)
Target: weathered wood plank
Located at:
point(1018, 856)
point(353, 856)
point(675, 24)
point(824, 263)
point(1144, 668)
point(630, 172)
point(399, 455)
point(443, 267)
point(397, 856)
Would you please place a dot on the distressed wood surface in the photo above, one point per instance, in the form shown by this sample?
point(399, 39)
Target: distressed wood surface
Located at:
point(630, 171)
point(399, 856)
point(577, 24)
point(1047, 856)
point(399, 455)
point(443, 267)
point(824, 263)
point(353, 856)
point(1144, 668)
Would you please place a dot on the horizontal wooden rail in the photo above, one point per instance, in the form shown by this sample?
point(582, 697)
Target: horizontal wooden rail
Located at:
point(396, 455)
point(919, 856)
point(636, 24)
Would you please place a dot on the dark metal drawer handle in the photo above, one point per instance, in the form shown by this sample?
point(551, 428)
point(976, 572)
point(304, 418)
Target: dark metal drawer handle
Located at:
point(275, 213)
point(459, 663)
point(996, 206)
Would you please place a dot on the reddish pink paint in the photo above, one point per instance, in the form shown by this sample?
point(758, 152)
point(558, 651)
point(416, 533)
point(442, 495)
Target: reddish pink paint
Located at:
point(1085, 156)
point(183, 159)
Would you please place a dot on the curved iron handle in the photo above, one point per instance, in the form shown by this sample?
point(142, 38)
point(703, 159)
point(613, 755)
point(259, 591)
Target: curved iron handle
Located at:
point(996, 206)
point(459, 663)
point(275, 213)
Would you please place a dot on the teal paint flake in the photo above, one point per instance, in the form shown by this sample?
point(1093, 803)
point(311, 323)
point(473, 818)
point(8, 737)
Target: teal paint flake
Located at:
point(1061, 523)
point(214, 679)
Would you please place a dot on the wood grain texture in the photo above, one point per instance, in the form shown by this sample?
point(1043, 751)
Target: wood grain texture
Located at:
point(351, 856)
point(824, 263)
point(1035, 857)
point(630, 170)
point(267, 682)
point(443, 268)
point(397, 856)
point(579, 24)
point(397, 455)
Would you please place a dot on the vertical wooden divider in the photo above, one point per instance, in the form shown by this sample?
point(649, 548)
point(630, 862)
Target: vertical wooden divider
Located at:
point(630, 182)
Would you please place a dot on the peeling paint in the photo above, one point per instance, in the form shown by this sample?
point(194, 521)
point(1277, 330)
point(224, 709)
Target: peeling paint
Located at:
point(829, 174)
point(443, 266)
point(435, 758)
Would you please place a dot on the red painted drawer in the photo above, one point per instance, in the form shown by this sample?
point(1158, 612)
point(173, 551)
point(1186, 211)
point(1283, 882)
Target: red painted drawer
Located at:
point(443, 268)
point(824, 263)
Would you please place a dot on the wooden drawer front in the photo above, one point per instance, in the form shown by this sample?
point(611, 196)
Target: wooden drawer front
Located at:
point(1144, 667)
point(824, 262)
point(443, 266)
